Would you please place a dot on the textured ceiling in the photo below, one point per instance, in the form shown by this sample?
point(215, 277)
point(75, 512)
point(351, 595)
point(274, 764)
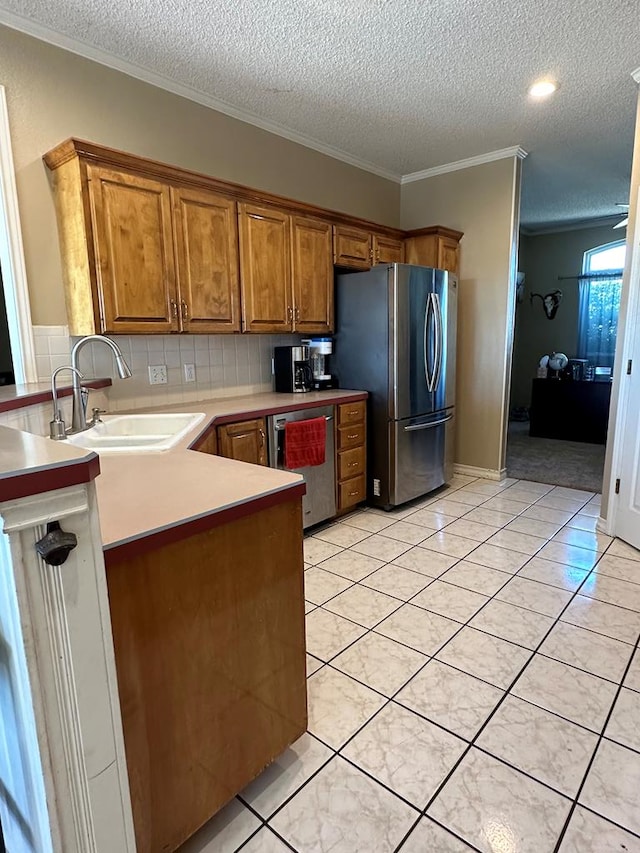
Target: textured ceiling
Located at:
point(401, 85)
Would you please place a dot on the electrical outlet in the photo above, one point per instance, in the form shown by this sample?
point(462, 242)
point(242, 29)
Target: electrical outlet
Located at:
point(189, 372)
point(157, 374)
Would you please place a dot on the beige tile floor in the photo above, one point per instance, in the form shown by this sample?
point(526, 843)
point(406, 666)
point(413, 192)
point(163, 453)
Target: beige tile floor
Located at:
point(474, 684)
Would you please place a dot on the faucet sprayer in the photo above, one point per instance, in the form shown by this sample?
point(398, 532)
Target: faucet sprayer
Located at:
point(80, 394)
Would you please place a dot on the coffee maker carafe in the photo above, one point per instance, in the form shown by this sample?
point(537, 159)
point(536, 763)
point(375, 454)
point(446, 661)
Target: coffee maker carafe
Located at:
point(319, 351)
point(292, 369)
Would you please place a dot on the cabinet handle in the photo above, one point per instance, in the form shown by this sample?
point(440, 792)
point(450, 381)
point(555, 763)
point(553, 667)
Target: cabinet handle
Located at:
point(174, 307)
point(353, 412)
point(353, 494)
point(353, 464)
point(290, 313)
point(262, 437)
point(354, 435)
point(185, 309)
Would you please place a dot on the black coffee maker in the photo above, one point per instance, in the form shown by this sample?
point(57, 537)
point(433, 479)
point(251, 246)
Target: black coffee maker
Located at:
point(292, 369)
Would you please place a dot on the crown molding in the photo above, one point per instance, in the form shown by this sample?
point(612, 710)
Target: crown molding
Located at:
point(95, 54)
point(636, 75)
point(600, 222)
point(489, 157)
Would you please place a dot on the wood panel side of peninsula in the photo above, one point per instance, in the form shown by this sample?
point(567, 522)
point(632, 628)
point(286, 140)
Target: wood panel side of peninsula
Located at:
point(210, 657)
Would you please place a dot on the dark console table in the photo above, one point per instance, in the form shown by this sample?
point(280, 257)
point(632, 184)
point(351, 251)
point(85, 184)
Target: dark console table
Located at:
point(574, 411)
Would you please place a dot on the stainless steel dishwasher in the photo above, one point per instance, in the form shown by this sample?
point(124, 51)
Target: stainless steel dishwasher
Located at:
point(319, 503)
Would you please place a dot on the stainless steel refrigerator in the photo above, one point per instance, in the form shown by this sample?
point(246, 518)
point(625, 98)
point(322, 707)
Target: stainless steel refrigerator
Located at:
point(396, 338)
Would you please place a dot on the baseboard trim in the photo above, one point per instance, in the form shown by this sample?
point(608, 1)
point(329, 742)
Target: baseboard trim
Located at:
point(603, 526)
point(485, 473)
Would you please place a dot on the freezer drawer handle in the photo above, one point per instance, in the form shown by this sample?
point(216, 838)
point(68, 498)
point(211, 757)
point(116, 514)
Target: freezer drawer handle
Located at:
point(413, 427)
point(279, 428)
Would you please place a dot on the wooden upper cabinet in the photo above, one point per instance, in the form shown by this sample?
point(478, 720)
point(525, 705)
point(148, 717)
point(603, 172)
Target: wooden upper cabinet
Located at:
point(265, 269)
point(151, 248)
point(351, 247)
point(448, 251)
point(245, 441)
point(434, 247)
point(312, 275)
point(387, 250)
point(206, 235)
point(132, 236)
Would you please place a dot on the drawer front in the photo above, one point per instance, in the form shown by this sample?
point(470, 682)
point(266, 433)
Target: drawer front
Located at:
point(351, 492)
point(351, 413)
point(351, 462)
point(351, 436)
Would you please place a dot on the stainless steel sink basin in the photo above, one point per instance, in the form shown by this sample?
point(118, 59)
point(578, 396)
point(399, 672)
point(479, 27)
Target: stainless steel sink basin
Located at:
point(137, 433)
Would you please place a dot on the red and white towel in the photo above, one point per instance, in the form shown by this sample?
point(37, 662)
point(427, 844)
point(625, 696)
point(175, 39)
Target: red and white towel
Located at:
point(304, 443)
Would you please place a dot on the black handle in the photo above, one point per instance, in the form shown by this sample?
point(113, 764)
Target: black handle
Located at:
point(55, 545)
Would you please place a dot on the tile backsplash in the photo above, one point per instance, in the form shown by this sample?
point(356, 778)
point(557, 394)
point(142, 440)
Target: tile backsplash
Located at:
point(225, 365)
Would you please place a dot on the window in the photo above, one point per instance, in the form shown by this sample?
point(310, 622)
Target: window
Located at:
point(600, 287)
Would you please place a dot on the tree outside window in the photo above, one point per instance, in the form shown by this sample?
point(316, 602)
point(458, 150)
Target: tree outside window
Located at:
point(600, 288)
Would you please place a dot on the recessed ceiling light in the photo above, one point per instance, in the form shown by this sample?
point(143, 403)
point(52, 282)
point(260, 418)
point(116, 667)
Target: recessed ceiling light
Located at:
point(542, 89)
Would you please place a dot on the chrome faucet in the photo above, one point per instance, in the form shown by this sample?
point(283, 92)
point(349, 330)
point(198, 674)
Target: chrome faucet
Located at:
point(57, 428)
point(80, 394)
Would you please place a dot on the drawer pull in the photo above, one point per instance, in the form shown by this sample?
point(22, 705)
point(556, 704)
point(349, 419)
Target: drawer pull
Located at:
point(353, 412)
point(353, 464)
point(353, 435)
point(353, 494)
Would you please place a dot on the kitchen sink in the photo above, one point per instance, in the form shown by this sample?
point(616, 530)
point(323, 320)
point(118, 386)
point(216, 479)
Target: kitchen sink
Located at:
point(137, 433)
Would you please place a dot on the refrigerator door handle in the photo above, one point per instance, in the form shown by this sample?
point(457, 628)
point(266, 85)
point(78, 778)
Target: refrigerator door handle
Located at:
point(430, 379)
point(437, 368)
point(413, 427)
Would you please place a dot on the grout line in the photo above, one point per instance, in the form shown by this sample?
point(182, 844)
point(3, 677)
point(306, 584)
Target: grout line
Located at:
point(492, 714)
point(631, 832)
point(462, 625)
point(597, 747)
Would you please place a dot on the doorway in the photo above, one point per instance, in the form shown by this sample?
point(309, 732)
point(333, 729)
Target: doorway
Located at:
point(7, 374)
point(558, 424)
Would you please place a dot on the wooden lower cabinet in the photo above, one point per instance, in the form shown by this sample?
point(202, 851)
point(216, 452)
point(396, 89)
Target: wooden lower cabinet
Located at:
point(351, 458)
point(209, 646)
point(207, 443)
point(245, 441)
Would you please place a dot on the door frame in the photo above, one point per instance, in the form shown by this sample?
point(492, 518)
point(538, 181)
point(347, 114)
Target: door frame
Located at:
point(627, 325)
point(12, 263)
point(628, 332)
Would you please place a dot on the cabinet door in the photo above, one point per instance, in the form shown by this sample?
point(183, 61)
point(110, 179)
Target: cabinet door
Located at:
point(448, 254)
point(244, 441)
point(265, 269)
point(351, 247)
point(312, 272)
point(433, 249)
point(387, 250)
point(131, 218)
point(208, 443)
point(206, 232)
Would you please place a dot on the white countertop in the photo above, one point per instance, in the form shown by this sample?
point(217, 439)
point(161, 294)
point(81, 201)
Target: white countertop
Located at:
point(22, 453)
point(143, 494)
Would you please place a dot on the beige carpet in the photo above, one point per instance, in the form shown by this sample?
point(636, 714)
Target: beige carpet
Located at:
point(574, 464)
